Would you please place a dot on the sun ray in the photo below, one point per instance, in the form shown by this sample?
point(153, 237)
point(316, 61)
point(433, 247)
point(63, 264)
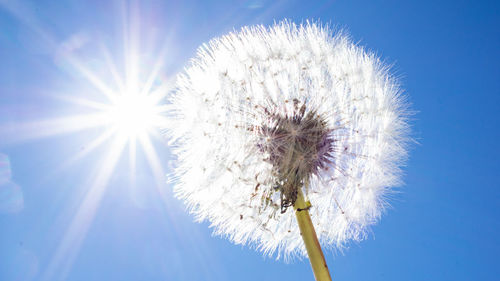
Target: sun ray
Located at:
point(131, 40)
point(31, 130)
point(153, 159)
point(77, 230)
point(160, 92)
point(133, 160)
point(92, 78)
point(112, 68)
point(153, 76)
point(82, 102)
point(86, 150)
point(125, 112)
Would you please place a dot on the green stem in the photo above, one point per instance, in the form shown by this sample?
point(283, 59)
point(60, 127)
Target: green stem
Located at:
point(311, 242)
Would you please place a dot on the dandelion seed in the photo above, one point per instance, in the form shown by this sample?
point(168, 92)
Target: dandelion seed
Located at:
point(263, 116)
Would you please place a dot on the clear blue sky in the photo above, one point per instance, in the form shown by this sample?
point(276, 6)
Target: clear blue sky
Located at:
point(68, 213)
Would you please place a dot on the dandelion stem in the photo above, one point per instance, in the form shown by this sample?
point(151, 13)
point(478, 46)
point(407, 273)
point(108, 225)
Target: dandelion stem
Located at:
point(316, 257)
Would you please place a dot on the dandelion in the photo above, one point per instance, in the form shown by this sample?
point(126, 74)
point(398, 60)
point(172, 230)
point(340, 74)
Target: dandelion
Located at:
point(280, 129)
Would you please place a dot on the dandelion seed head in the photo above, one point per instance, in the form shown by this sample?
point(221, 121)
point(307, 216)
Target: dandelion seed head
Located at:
point(262, 112)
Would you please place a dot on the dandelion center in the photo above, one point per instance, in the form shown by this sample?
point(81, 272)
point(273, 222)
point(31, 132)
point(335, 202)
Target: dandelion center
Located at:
point(298, 145)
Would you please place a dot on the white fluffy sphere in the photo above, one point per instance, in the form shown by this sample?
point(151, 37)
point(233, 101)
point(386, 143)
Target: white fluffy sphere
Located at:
point(259, 105)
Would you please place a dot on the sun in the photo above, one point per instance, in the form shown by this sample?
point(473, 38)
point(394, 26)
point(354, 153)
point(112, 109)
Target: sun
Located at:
point(114, 87)
point(133, 114)
point(130, 112)
point(123, 105)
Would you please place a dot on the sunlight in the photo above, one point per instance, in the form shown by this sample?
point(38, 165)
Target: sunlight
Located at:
point(134, 114)
point(79, 225)
point(123, 108)
point(130, 115)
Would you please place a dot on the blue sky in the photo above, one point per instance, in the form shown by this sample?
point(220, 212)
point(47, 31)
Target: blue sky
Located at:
point(69, 209)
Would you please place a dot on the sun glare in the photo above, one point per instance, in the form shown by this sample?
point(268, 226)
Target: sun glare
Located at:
point(131, 116)
point(127, 109)
point(134, 114)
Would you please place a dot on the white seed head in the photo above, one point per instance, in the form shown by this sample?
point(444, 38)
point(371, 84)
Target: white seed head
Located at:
point(264, 111)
